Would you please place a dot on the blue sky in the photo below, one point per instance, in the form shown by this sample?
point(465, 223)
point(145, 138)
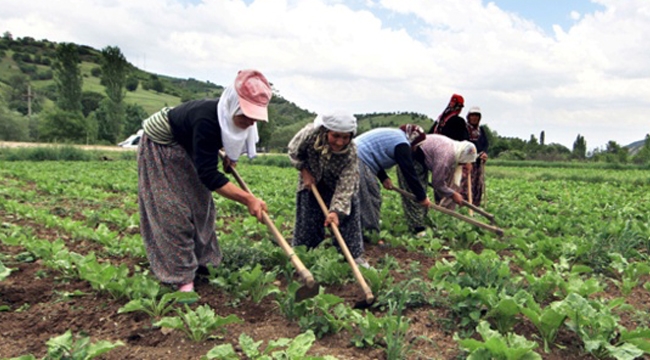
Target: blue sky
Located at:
point(587, 76)
point(546, 13)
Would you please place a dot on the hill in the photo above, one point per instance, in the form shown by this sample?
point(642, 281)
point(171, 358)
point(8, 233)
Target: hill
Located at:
point(32, 59)
point(634, 147)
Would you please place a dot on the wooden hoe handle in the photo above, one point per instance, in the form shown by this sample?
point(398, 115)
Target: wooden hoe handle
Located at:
point(443, 210)
point(288, 250)
point(346, 252)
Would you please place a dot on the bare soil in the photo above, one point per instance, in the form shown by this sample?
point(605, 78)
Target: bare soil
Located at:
point(42, 307)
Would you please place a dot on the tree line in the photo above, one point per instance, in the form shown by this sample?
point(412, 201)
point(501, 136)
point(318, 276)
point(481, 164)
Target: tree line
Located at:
point(95, 118)
point(510, 148)
point(74, 115)
point(78, 116)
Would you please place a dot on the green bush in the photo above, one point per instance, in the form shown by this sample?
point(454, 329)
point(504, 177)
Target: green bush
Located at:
point(58, 153)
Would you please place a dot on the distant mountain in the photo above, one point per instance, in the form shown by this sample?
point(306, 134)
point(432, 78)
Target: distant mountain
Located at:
point(634, 147)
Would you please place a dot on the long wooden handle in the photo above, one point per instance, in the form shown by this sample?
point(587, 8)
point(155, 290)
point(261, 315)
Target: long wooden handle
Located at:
point(484, 192)
point(443, 210)
point(346, 252)
point(479, 210)
point(288, 250)
point(469, 191)
point(405, 193)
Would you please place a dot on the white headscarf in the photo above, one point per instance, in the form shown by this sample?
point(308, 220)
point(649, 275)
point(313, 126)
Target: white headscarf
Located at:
point(465, 152)
point(235, 139)
point(339, 121)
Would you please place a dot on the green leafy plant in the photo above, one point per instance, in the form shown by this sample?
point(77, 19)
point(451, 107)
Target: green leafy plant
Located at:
point(542, 287)
point(502, 308)
point(496, 346)
point(464, 303)
point(286, 301)
point(630, 273)
point(198, 324)
point(245, 281)
point(257, 283)
point(283, 348)
point(598, 327)
point(4, 271)
point(474, 270)
point(69, 347)
point(324, 314)
point(547, 320)
point(105, 277)
point(378, 280)
point(155, 307)
point(330, 267)
point(367, 330)
point(396, 329)
point(415, 291)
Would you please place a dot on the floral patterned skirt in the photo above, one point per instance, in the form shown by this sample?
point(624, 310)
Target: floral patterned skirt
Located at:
point(177, 213)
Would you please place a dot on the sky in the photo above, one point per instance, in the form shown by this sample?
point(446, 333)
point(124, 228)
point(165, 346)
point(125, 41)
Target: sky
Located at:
point(565, 67)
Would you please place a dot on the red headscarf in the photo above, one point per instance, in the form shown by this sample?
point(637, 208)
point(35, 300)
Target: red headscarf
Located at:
point(454, 108)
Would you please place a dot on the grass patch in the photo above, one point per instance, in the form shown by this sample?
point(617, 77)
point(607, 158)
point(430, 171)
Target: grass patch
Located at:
point(62, 153)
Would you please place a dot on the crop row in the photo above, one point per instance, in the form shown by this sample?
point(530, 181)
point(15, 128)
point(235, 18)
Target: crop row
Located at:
point(574, 259)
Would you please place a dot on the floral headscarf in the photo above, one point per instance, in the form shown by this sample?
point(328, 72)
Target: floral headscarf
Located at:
point(414, 133)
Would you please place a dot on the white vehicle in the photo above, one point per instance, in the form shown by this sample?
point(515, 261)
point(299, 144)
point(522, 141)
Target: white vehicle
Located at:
point(132, 141)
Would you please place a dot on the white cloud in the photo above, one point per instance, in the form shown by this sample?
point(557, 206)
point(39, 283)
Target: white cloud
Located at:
point(574, 15)
point(591, 78)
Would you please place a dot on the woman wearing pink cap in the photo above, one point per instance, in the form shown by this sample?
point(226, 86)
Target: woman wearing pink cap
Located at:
point(178, 158)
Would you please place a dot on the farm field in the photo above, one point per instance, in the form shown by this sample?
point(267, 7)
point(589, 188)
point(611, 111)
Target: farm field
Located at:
point(568, 280)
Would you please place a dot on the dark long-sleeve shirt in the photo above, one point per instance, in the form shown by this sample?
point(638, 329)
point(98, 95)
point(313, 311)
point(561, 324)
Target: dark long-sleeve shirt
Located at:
point(195, 126)
point(455, 128)
point(481, 143)
point(404, 159)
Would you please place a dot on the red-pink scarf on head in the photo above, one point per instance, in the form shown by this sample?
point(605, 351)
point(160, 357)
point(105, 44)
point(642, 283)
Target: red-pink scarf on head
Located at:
point(414, 133)
point(454, 108)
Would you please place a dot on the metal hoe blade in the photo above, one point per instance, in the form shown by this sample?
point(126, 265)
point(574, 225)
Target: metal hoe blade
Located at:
point(306, 292)
point(363, 304)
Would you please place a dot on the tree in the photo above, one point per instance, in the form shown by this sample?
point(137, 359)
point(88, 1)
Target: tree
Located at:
point(135, 113)
point(90, 101)
point(157, 85)
point(68, 77)
point(265, 129)
point(13, 125)
point(579, 147)
point(64, 126)
point(114, 71)
point(613, 153)
point(542, 138)
point(132, 83)
point(17, 95)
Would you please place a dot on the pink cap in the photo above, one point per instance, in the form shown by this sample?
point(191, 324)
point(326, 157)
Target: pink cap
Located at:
point(254, 94)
